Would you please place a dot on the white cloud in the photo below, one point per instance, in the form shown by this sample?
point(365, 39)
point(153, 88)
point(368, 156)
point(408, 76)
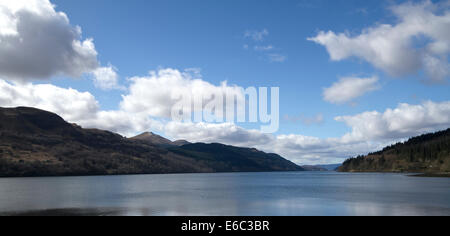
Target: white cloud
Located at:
point(349, 88)
point(122, 122)
point(402, 122)
point(312, 150)
point(36, 42)
point(68, 103)
point(419, 41)
point(156, 94)
point(106, 78)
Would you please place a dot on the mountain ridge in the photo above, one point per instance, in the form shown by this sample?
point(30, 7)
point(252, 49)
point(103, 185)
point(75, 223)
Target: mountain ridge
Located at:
point(35, 142)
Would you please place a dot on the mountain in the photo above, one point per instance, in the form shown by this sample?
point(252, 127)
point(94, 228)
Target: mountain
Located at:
point(152, 138)
point(313, 168)
point(155, 139)
point(235, 159)
point(429, 153)
point(180, 143)
point(34, 142)
point(329, 167)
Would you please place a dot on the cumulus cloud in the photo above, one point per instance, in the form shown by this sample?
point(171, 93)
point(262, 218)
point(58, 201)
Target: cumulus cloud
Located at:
point(69, 103)
point(106, 78)
point(156, 94)
point(349, 88)
point(419, 41)
point(402, 122)
point(36, 42)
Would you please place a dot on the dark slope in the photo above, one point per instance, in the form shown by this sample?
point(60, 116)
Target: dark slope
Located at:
point(226, 158)
point(39, 143)
point(429, 153)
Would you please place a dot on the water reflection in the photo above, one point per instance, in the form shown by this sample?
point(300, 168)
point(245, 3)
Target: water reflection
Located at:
point(296, 193)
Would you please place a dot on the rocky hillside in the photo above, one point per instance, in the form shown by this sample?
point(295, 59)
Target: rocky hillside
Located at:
point(39, 143)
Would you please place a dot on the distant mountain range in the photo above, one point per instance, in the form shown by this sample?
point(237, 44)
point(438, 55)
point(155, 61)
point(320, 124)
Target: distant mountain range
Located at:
point(313, 168)
point(329, 167)
point(429, 153)
point(34, 142)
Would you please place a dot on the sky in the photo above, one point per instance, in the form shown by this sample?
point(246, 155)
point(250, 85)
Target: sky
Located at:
point(353, 75)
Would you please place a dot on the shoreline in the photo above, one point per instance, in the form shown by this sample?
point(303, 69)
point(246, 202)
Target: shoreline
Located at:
point(432, 175)
point(410, 174)
point(137, 174)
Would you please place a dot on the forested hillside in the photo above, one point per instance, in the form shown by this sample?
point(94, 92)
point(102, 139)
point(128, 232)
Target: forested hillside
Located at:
point(429, 153)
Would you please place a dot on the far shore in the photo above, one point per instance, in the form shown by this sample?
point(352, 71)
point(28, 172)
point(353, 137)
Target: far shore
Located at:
point(410, 174)
point(140, 174)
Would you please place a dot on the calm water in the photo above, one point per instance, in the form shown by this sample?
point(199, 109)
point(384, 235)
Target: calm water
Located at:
point(296, 193)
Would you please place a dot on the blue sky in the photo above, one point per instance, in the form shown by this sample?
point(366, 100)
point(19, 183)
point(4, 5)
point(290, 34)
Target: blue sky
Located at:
point(142, 35)
point(138, 36)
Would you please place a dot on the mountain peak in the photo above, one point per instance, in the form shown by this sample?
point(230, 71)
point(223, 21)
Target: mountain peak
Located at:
point(158, 140)
point(152, 138)
point(146, 134)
